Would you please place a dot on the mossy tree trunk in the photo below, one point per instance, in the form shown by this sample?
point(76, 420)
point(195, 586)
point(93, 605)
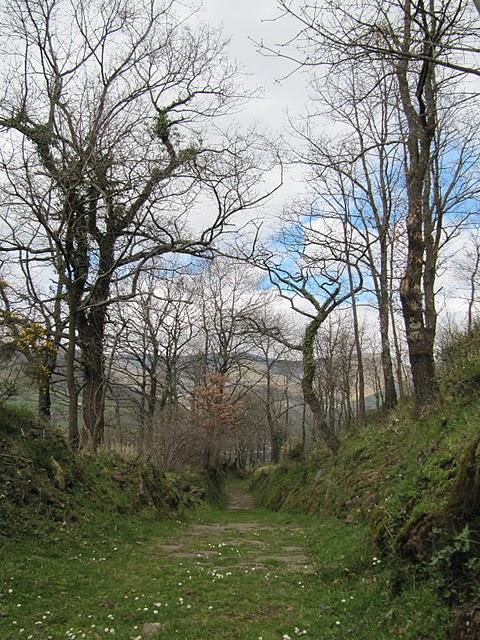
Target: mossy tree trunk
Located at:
point(91, 326)
point(331, 287)
point(44, 386)
point(321, 426)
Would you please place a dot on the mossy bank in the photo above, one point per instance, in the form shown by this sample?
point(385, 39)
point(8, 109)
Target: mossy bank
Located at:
point(44, 485)
point(414, 482)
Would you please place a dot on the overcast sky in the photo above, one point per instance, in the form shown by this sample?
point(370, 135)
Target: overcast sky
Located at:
point(245, 23)
point(248, 21)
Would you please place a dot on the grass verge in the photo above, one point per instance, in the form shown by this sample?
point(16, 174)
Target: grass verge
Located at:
point(220, 574)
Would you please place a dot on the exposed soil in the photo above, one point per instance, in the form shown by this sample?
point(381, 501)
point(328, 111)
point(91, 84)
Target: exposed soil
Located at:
point(238, 499)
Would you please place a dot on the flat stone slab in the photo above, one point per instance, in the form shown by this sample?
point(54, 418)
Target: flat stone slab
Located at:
point(151, 630)
point(170, 548)
point(214, 544)
point(208, 529)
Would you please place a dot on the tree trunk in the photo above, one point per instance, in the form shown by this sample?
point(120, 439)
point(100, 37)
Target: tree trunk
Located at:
point(471, 304)
point(76, 247)
point(362, 409)
point(73, 430)
point(275, 446)
point(398, 356)
point(420, 337)
point(143, 411)
point(152, 399)
point(396, 342)
point(47, 365)
point(387, 367)
point(91, 328)
point(473, 282)
point(275, 436)
point(326, 431)
point(55, 327)
point(91, 335)
point(423, 375)
point(304, 428)
point(93, 395)
point(44, 399)
point(417, 285)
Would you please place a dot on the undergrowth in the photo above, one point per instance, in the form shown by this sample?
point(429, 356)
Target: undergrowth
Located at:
point(44, 486)
point(414, 482)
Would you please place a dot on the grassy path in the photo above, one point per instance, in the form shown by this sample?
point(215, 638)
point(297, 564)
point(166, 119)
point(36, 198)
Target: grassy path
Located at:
point(239, 574)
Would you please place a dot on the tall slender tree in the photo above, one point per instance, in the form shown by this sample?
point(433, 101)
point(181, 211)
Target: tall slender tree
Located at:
point(418, 45)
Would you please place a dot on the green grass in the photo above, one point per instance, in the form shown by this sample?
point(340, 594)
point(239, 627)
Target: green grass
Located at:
point(110, 572)
point(110, 569)
point(386, 475)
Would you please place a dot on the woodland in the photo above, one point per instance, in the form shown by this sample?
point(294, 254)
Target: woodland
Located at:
point(195, 309)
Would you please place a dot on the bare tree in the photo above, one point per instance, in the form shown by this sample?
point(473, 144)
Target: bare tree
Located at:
point(336, 373)
point(151, 335)
point(227, 294)
point(225, 371)
point(105, 111)
point(272, 389)
point(467, 267)
point(417, 47)
point(311, 273)
point(357, 30)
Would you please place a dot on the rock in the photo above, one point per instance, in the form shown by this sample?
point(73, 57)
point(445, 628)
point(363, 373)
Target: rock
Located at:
point(151, 630)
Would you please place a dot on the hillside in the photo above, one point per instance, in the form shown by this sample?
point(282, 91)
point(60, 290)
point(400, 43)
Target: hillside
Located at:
point(414, 482)
point(381, 542)
point(44, 486)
